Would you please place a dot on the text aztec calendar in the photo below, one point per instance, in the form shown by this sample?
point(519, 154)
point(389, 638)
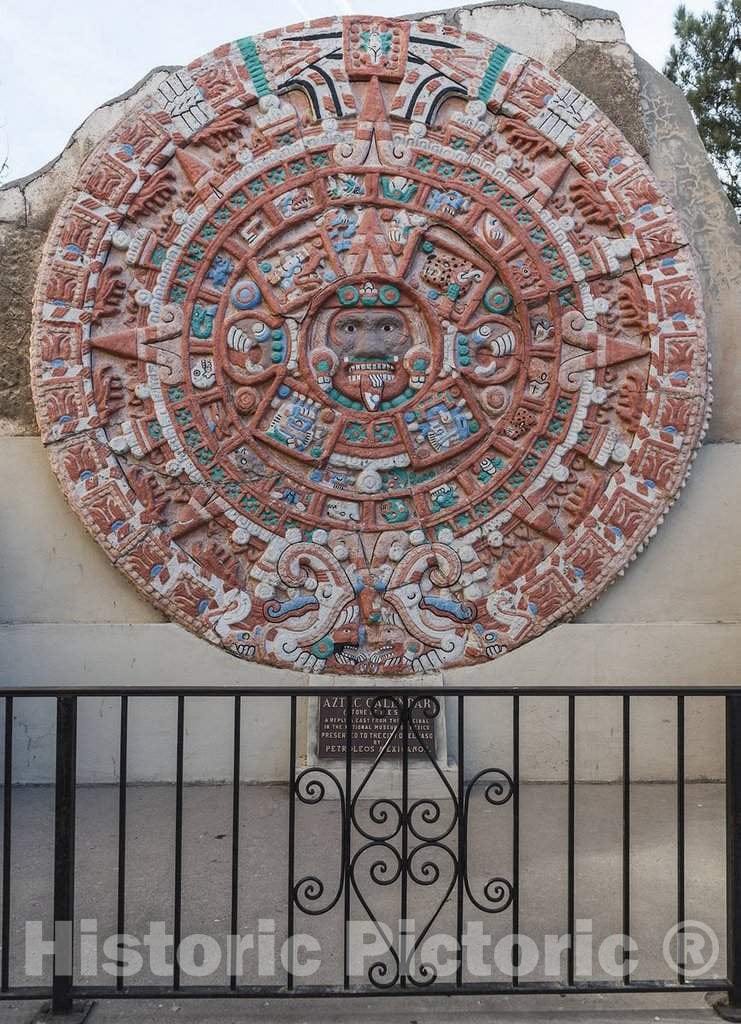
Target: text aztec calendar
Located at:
point(368, 346)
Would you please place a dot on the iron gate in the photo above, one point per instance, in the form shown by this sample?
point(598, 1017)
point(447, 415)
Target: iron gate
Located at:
point(425, 837)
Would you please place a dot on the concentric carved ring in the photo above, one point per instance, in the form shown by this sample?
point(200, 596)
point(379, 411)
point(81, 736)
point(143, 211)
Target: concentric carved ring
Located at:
point(368, 346)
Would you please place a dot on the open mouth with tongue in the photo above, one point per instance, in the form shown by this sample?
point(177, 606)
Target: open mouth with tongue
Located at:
point(370, 345)
point(371, 377)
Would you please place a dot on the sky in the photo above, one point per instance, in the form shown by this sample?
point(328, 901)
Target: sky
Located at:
point(64, 58)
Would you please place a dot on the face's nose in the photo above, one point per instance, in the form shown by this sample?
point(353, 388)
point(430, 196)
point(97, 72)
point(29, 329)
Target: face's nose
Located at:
point(369, 342)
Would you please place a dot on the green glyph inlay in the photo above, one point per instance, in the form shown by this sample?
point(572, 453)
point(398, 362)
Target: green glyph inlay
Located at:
point(497, 60)
point(248, 49)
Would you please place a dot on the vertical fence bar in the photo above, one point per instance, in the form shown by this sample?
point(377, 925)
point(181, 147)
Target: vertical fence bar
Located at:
point(236, 773)
point(571, 840)
point(347, 840)
point(7, 843)
point(516, 837)
point(680, 840)
point(64, 852)
point(462, 842)
point(733, 851)
point(626, 828)
point(178, 900)
point(405, 710)
point(291, 842)
point(122, 783)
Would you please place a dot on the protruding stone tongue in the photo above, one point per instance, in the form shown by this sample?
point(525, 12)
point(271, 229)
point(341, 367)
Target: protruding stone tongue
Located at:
point(371, 389)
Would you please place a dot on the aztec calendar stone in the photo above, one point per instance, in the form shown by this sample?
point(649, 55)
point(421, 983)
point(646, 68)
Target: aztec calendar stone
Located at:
point(368, 346)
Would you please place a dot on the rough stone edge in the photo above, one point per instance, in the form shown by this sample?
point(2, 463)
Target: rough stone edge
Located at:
point(616, 60)
point(14, 190)
point(648, 75)
point(650, 78)
point(579, 12)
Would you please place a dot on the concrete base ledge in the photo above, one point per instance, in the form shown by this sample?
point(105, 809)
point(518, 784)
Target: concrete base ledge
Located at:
point(159, 654)
point(690, 654)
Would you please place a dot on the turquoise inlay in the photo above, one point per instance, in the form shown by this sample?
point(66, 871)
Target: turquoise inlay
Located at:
point(248, 49)
point(497, 60)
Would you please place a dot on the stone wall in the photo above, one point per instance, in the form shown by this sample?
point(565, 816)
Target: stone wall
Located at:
point(68, 616)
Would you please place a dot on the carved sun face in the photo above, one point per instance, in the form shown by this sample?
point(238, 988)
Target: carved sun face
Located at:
point(370, 345)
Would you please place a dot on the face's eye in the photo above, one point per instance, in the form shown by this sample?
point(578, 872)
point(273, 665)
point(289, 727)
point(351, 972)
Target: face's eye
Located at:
point(387, 328)
point(350, 328)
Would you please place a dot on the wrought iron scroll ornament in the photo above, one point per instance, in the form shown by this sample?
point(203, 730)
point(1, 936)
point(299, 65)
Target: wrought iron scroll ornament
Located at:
point(368, 346)
point(395, 843)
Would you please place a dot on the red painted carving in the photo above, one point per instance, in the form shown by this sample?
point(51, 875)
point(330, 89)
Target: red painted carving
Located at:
point(341, 350)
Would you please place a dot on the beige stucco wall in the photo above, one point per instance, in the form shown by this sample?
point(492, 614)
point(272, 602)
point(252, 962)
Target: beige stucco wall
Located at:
point(67, 616)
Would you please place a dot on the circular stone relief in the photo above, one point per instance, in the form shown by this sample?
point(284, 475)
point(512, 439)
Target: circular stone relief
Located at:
point(368, 346)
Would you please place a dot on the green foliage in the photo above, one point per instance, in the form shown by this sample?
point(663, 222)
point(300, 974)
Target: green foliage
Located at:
point(705, 63)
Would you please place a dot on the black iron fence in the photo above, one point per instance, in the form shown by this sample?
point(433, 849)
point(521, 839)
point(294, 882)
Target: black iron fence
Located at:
point(403, 863)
